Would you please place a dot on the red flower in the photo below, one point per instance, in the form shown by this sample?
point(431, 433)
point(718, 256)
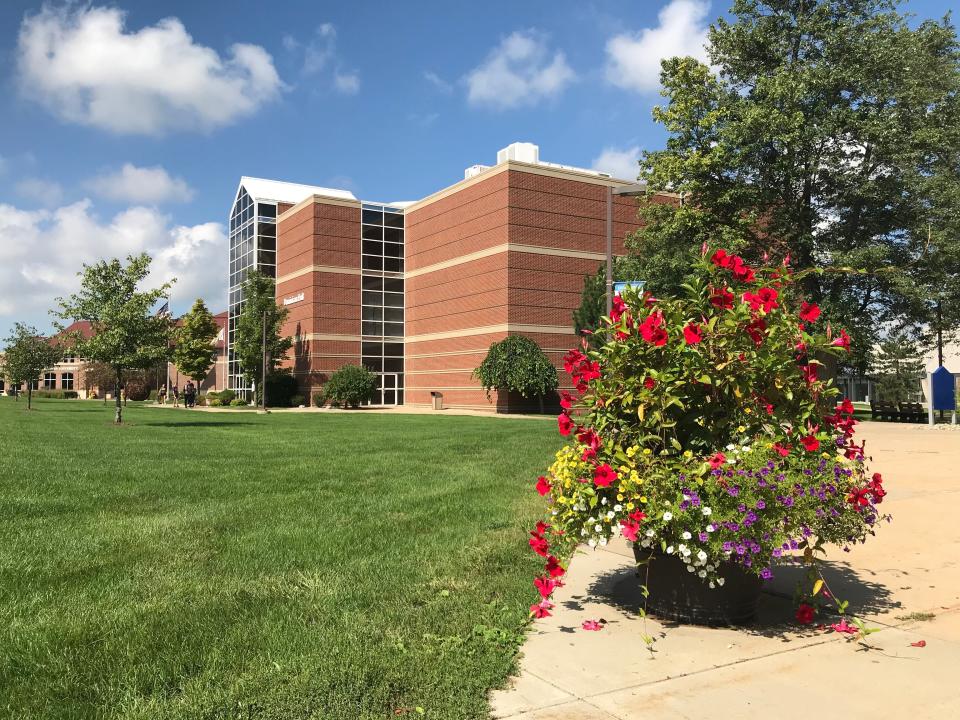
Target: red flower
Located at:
point(541, 609)
point(720, 258)
point(693, 334)
point(782, 450)
point(588, 455)
point(545, 586)
point(722, 298)
point(805, 614)
point(740, 270)
point(756, 329)
point(566, 400)
point(765, 299)
point(592, 625)
point(810, 443)
point(846, 407)
point(649, 383)
point(539, 545)
point(541, 528)
point(769, 408)
point(809, 312)
point(589, 438)
point(809, 373)
point(638, 516)
point(565, 424)
point(717, 460)
point(652, 330)
point(543, 487)
point(604, 475)
point(630, 530)
point(619, 308)
point(859, 497)
point(843, 341)
point(572, 360)
point(553, 567)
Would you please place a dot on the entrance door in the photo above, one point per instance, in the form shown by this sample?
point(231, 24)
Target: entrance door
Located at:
point(388, 385)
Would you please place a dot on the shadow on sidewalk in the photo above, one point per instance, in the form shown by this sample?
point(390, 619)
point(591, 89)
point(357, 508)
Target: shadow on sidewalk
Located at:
point(620, 589)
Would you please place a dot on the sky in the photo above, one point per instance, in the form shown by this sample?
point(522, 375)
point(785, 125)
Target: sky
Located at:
point(127, 126)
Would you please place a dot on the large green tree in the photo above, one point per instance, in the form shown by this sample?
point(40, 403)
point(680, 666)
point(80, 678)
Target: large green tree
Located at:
point(260, 308)
point(126, 333)
point(194, 351)
point(897, 368)
point(27, 355)
point(826, 130)
point(517, 364)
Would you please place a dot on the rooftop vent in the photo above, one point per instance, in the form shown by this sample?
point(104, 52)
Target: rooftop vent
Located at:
point(474, 170)
point(521, 152)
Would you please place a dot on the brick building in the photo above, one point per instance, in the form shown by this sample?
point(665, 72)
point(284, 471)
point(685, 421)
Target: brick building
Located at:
point(417, 291)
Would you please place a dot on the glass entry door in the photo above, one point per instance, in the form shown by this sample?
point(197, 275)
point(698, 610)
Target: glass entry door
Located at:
point(389, 388)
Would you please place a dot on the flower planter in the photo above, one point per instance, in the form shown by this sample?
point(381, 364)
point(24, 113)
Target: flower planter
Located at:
point(681, 596)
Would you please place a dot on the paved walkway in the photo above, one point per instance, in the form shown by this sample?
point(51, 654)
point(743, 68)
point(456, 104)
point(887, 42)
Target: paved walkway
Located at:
point(773, 668)
point(379, 409)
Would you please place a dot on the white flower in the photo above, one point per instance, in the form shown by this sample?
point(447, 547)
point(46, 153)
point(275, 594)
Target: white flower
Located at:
point(598, 528)
point(650, 533)
point(668, 516)
point(603, 541)
point(666, 503)
point(720, 581)
point(618, 507)
point(645, 543)
point(583, 532)
point(686, 497)
point(686, 535)
point(690, 568)
point(706, 512)
point(702, 573)
point(603, 501)
point(669, 549)
point(746, 448)
point(591, 519)
point(592, 543)
point(702, 555)
point(710, 528)
point(732, 461)
point(710, 567)
point(712, 585)
point(731, 446)
point(611, 515)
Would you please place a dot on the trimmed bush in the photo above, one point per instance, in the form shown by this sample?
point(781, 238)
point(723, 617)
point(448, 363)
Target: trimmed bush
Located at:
point(136, 390)
point(296, 401)
point(350, 386)
point(319, 398)
point(281, 387)
point(517, 364)
point(238, 402)
point(224, 396)
point(56, 394)
point(214, 402)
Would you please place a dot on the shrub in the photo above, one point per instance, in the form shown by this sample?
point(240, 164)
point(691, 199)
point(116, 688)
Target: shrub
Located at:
point(214, 402)
point(224, 396)
point(281, 387)
point(319, 398)
point(152, 396)
point(135, 390)
point(296, 400)
point(238, 402)
point(350, 386)
point(517, 364)
point(70, 394)
point(701, 428)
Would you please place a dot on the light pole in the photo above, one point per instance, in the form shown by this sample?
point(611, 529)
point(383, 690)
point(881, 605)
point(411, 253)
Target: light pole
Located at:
point(631, 190)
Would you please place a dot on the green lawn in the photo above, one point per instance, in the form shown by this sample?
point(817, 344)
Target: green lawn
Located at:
point(235, 565)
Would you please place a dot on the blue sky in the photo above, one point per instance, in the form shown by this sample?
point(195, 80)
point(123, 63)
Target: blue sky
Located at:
point(127, 126)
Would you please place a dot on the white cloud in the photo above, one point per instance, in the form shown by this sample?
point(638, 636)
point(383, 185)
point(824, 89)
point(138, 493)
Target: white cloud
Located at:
point(438, 82)
point(41, 251)
point(620, 163)
point(633, 60)
point(520, 71)
point(85, 67)
point(347, 83)
point(45, 193)
point(152, 185)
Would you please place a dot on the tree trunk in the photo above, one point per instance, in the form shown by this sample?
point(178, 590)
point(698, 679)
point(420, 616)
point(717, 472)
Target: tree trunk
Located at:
point(118, 415)
point(29, 396)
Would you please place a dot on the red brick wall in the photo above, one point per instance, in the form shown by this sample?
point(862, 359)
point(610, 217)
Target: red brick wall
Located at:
point(329, 236)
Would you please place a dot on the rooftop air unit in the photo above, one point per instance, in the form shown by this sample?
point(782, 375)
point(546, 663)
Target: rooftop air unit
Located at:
point(521, 152)
point(474, 170)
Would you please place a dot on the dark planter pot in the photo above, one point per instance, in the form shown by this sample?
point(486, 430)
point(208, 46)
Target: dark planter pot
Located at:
point(679, 595)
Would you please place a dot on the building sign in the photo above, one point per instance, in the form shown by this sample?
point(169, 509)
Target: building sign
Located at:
point(293, 299)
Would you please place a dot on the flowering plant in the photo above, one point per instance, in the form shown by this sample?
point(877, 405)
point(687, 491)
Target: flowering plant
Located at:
point(701, 428)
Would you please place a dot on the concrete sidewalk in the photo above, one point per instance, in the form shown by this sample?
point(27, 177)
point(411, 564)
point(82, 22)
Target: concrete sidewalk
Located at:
point(774, 667)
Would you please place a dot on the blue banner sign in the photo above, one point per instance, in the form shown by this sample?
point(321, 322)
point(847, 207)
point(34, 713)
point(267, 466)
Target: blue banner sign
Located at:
point(943, 389)
point(618, 287)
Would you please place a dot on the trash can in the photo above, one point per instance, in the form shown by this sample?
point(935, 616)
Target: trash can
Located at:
point(437, 400)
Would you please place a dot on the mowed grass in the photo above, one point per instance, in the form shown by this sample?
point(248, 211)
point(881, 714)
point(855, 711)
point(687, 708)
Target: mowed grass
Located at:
point(235, 565)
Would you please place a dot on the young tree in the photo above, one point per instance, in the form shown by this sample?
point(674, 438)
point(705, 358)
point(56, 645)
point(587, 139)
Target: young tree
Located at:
point(27, 355)
point(824, 130)
point(97, 375)
point(517, 364)
point(897, 368)
point(593, 301)
point(259, 300)
point(127, 335)
point(194, 351)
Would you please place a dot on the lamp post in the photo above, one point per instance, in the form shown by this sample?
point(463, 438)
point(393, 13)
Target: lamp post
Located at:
point(631, 190)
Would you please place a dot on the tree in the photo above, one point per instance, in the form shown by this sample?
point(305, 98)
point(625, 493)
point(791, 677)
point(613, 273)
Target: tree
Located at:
point(97, 375)
point(827, 131)
point(593, 301)
point(126, 334)
point(897, 369)
point(517, 364)
point(27, 355)
point(259, 300)
point(194, 351)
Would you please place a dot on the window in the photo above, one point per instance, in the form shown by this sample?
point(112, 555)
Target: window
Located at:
point(66, 381)
point(50, 381)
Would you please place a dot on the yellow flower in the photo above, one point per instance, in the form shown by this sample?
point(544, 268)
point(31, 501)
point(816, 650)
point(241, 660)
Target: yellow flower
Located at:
point(687, 454)
point(631, 451)
point(619, 497)
point(825, 455)
point(647, 451)
point(747, 410)
point(643, 498)
point(741, 429)
point(630, 506)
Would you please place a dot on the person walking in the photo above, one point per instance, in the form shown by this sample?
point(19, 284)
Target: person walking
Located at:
point(189, 394)
point(176, 396)
point(162, 396)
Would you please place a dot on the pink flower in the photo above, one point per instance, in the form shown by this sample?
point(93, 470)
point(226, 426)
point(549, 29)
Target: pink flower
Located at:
point(717, 460)
point(692, 334)
point(630, 530)
point(604, 475)
point(649, 383)
point(545, 586)
point(592, 625)
point(844, 627)
point(543, 486)
point(565, 424)
point(843, 341)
